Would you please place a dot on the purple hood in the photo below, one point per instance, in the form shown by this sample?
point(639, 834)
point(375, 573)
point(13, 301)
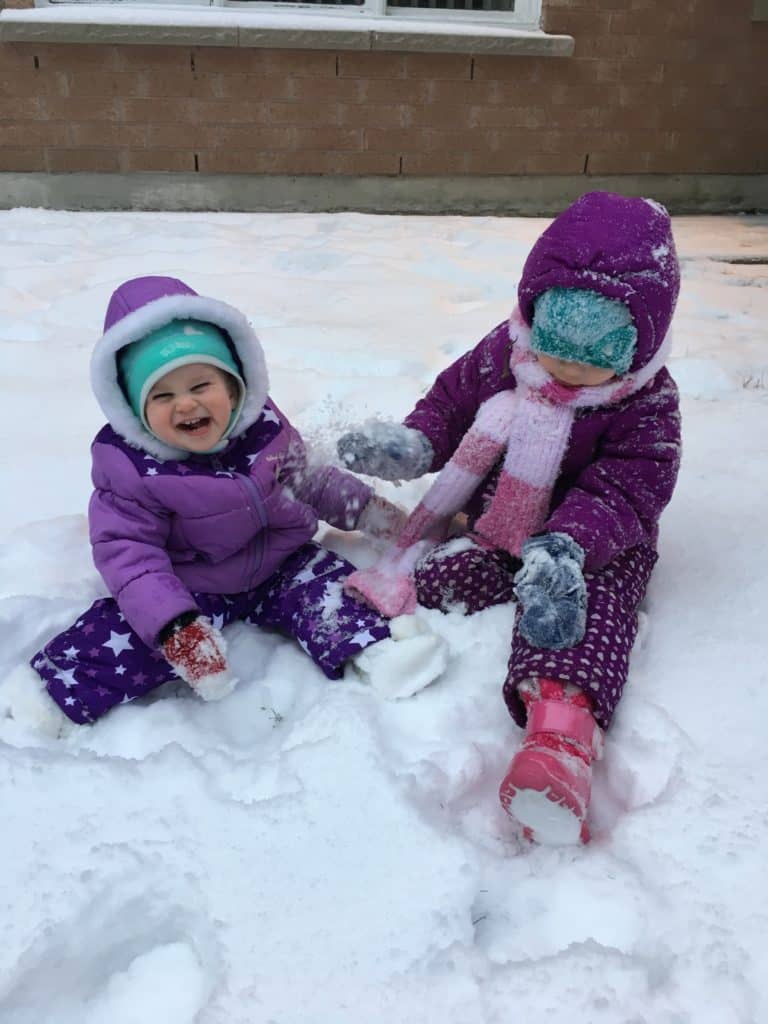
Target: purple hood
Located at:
point(618, 246)
point(145, 304)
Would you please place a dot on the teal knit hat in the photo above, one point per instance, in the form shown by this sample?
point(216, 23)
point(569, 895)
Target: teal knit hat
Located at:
point(176, 344)
point(584, 327)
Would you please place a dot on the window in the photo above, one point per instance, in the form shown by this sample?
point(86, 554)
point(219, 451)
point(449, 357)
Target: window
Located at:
point(522, 14)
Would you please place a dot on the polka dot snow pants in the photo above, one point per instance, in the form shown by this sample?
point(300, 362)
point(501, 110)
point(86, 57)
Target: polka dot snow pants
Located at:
point(462, 576)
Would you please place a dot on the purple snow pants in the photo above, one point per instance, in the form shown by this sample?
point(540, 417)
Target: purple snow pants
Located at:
point(99, 661)
point(474, 579)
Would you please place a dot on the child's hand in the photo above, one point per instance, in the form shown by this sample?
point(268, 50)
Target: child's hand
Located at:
point(552, 593)
point(387, 450)
point(197, 653)
point(381, 518)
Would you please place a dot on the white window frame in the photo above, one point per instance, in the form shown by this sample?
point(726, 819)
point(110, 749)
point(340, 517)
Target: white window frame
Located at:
point(526, 16)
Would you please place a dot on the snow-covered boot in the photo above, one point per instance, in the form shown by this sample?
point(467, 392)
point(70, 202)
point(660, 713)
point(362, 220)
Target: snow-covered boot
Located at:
point(549, 782)
point(409, 659)
point(24, 698)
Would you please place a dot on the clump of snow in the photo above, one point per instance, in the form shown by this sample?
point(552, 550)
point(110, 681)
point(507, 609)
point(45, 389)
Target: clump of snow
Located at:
point(304, 851)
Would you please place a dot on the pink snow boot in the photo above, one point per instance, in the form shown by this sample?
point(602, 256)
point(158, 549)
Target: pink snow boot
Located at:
point(549, 781)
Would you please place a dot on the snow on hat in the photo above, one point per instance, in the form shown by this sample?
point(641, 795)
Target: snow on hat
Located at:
point(175, 344)
point(583, 326)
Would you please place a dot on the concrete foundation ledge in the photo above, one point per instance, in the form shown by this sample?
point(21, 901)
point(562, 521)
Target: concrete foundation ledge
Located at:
point(492, 195)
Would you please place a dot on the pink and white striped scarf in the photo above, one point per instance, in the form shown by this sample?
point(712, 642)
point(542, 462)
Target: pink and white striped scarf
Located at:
point(532, 424)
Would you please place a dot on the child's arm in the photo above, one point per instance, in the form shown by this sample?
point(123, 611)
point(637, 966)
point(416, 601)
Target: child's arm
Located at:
point(128, 538)
point(616, 501)
point(335, 496)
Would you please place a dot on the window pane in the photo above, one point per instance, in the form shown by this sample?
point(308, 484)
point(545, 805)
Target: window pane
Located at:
point(456, 5)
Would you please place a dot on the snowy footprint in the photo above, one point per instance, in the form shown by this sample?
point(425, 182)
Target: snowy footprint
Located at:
point(125, 964)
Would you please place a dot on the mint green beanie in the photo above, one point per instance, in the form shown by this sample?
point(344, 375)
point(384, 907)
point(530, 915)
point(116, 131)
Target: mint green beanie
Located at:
point(583, 326)
point(179, 343)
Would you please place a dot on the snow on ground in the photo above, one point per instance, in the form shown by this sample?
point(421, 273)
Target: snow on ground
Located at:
point(303, 852)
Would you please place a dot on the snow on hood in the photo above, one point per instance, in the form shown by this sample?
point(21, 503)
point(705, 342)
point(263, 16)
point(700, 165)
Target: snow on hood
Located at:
point(144, 304)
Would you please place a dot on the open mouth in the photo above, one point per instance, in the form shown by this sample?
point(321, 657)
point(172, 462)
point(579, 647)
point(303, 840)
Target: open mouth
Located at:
point(196, 426)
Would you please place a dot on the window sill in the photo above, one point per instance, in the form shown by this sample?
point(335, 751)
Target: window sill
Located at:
point(207, 27)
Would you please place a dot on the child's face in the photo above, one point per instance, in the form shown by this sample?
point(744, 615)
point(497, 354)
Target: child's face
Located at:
point(574, 375)
point(190, 407)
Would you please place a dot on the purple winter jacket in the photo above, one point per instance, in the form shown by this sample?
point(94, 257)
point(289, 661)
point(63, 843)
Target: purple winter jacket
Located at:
point(165, 523)
point(621, 463)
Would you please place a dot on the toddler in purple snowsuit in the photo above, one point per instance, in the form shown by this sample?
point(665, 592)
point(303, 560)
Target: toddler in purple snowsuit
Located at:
point(203, 512)
point(558, 436)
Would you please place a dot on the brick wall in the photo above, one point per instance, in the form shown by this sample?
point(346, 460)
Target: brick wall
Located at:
point(653, 87)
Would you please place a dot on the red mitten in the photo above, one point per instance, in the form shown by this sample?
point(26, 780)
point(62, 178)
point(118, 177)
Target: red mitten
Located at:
point(197, 653)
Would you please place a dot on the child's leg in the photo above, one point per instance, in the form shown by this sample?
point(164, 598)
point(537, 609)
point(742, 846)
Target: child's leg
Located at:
point(99, 661)
point(600, 663)
point(305, 599)
point(460, 575)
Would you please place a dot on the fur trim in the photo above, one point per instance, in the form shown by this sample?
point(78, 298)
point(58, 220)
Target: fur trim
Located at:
point(137, 325)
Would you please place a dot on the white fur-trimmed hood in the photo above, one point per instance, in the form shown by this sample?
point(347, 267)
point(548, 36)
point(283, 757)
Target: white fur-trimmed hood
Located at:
point(136, 323)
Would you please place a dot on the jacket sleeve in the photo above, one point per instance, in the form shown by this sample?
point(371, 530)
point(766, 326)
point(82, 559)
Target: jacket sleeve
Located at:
point(128, 537)
point(449, 408)
point(335, 496)
point(615, 503)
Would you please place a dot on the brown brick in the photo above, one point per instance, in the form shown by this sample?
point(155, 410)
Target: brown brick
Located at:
point(241, 87)
point(303, 113)
point(34, 133)
point(18, 159)
point(435, 115)
point(518, 69)
point(255, 138)
point(437, 66)
point(107, 134)
point(331, 90)
point(88, 83)
point(236, 161)
point(372, 65)
point(71, 160)
point(159, 111)
point(177, 136)
point(510, 117)
point(26, 83)
point(137, 160)
point(327, 138)
point(410, 90)
point(629, 71)
point(17, 56)
point(62, 108)
point(335, 163)
point(470, 93)
point(170, 59)
point(164, 83)
point(230, 61)
point(431, 163)
point(300, 63)
point(68, 56)
point(396, 140)
point(366, 115)
point(522, 162)
point(21, 110)
point(231, 112)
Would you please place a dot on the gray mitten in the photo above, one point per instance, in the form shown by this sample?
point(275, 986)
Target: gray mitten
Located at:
point(389, 451)
point(552, 593)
